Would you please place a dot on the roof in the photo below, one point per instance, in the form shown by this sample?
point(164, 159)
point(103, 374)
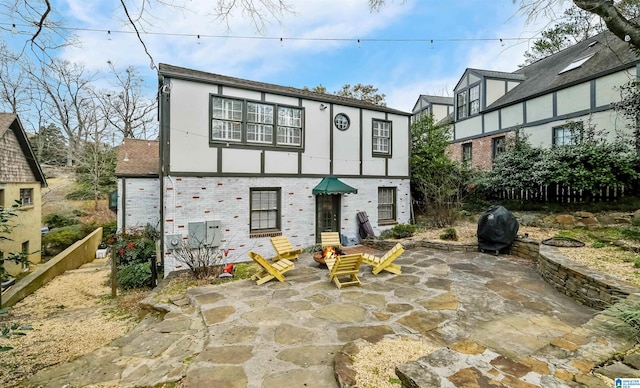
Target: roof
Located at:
point(11, 121)
point(440, 100)
point(171, 71)
point(609, 54)
point(138, 158)
point(331, 185)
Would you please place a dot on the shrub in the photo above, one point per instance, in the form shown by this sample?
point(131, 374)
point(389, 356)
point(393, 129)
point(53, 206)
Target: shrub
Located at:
point(135, 275)
point(631, 234)
point(109, 230)
point(58, 220)
point(403, 230)
point(627, 311)
point(61, 238)
point(449, 234)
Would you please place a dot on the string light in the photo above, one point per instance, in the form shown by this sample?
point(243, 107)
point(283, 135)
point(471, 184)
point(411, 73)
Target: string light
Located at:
point(280, 42)
point(431, 45)
point(501, 42)
point(198, 41)
point(281, 39)
point(14, 30)
point(108, 34)
point(358, 43)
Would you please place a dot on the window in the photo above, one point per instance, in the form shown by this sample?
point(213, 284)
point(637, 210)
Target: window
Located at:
point(474, 100)
point(386, 204)
point(25, 248)
point(265, 209)
point(567, 134)
point(248, 122)
point(26, 197)
point(499, 146)
point(381, 137)
point(226, 121)
point(289, 126)
point(467, 153)
point(462, 104)
point(1, 199)
point(259, 123)
point(576, 64)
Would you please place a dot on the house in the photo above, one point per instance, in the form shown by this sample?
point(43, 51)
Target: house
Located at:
point(574, 87)
point(438, 106)
point(138, 175)
point(243, 161)
point(21, 181)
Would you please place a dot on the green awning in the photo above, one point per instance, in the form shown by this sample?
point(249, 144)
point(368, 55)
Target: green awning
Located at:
point(331, 185)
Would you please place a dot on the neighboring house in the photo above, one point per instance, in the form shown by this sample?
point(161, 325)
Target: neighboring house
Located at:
point(573, 87)
point(138, 172)
point(243, 161)
point(21, 181)
point(437, 106)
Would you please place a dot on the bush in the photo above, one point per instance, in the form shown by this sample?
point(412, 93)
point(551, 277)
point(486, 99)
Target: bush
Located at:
point(136, 275)
point(61, 238)
point(400, 231)
point(449, 234)
point(58, 220)
point(109, 230)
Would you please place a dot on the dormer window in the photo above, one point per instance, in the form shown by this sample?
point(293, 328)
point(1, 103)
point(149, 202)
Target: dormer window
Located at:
point(468, 102)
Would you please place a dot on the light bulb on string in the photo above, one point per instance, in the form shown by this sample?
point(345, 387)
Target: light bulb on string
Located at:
point(431, 44)
point(109, 35)
point(358, 43)
point(198, 41)
point(501, 42)
point(281, 42)
point(14, 29)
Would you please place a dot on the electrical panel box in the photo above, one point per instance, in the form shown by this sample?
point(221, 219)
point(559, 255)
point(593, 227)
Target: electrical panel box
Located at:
point(207, 233)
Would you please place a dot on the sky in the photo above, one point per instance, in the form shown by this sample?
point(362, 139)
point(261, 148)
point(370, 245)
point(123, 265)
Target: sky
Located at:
point(316, 43)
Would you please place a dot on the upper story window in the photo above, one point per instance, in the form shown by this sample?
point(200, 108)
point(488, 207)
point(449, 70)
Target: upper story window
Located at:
point(499, 146)
point(468, 102)
point(381, 141)
point(462, 104)
point(248, 122)
point(467, 153)
point(26, 197)
point(568, 134)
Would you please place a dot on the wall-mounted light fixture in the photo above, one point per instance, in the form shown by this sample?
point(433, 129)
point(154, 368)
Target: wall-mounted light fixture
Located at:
point(323, 107)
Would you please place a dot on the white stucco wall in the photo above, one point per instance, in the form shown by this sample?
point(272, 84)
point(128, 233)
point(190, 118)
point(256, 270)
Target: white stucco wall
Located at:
point(140, 202)
point(607, 87)
point(573, 99)
point(540, 108)
point(512, 115)
point(495, 90)
point(468, 127)
point(191, 199)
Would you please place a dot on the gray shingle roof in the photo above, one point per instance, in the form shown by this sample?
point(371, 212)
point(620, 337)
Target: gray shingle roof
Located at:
point(201, 76)
point(609, 54)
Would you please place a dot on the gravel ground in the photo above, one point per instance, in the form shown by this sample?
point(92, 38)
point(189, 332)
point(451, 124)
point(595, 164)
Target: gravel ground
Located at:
point(71, 315)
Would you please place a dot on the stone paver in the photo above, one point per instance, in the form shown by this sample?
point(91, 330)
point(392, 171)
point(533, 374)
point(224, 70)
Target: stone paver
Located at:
point(495, 323)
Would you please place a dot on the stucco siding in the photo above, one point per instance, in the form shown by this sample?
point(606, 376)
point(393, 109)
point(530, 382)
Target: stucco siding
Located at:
point(491, 121)
point(573, 99)
point(495, 90)
point(512, 115)
point(540, 108)
point(607, 87)
point(469, 127)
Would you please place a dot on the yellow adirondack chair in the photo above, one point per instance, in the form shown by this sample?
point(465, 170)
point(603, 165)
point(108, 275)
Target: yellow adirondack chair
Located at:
point(269, 270)
point(385, 262)
point(330, 239)
point(284, 249)
point(345, 266)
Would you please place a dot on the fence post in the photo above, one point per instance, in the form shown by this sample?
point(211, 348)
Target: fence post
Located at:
point(114, 279)
point(154, 271)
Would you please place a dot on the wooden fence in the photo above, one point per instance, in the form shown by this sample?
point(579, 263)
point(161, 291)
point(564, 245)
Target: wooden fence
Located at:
point(562, 194)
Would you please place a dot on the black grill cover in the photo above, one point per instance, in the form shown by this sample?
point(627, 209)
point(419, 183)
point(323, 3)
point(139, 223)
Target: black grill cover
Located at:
point(497, 228)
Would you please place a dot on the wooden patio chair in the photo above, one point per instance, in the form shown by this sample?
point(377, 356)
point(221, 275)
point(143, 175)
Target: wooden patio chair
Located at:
point(345, 266)
point(385, 262)
point(330, 239)
point(270, 270)
point(284, 249)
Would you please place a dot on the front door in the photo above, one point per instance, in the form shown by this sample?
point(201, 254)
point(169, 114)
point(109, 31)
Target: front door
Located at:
point(327, 214)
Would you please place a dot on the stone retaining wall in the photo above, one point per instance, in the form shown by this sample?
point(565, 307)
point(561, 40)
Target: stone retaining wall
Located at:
point(586, 286)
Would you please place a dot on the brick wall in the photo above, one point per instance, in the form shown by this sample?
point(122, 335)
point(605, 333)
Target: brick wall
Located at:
point(197, 199)
point(141, 202)
point(482, 151)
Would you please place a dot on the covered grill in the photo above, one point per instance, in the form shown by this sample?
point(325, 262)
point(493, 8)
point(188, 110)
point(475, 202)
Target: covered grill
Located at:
point(497, 228)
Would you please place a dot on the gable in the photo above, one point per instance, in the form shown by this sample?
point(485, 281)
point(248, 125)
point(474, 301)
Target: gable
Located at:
point(17, 161)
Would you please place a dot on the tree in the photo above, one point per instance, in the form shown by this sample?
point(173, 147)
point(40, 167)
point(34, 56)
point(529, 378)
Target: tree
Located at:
point(362, 92)
point(316, 89)
point(575, 26)
point(126, 108)
point(49, 145)
point(437, 182)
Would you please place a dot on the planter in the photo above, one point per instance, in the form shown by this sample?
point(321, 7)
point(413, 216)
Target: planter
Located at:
point(319, 257)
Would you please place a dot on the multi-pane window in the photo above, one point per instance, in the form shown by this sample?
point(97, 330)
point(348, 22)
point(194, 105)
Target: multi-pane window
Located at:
point(26, 197)
point(226, 123)
point(386, 204)
point(499, 146)
point(567, 134)
point(381, 137)
point(255, 123)
point(461, 101)
point(259, 123)
point(265, 209)
point(474, 100)
point(467, 153)
point(289, 126)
